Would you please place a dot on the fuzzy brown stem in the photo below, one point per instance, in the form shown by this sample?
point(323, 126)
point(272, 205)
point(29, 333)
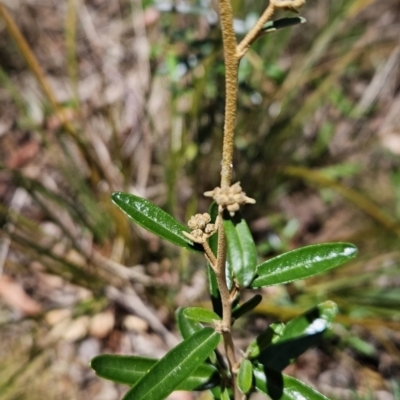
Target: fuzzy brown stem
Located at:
point(210, 256)
point(231, 74)
point(230, 355)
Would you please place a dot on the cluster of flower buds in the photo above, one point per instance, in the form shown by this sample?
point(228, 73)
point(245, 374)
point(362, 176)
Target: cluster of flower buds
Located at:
point(201, 228)
point(230, 198)
point(290, 5)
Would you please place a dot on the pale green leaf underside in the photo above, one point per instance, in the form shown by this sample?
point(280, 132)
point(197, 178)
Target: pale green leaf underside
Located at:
point(201, 315)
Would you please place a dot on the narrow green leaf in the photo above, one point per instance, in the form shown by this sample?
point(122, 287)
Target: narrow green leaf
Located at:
point(129, 369)
point(271, 335)
point(212, 279)
point(272, 26)
point(300, 334)
point(187, 327)
point(247, 306)
point(225, 394)
point(245, 376)
point(201, 315)
point(216, 393)
point(302, 263)
point(283, 387)
point(177, 365)
point(317, 319)
point(214, 291)
point(242, 253)
point(154, 219)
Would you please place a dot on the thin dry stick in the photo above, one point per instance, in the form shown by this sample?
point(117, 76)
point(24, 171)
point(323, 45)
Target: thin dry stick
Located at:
point(70, 44)
point(129, 299)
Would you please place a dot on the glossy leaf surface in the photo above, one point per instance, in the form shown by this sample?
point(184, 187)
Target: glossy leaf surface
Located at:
point(302, 263)
point(154, 219)
point(283, 387)
point(201, 315)
point(245, 376)
point(176, 366)
point(225, 395)
point(315, 320)
point(129, 369)
point(212, 279)
point(242, 253)
point(300, 334)
point(187, 327)
point(271, 335)
point(247, 306)
point(272, 26)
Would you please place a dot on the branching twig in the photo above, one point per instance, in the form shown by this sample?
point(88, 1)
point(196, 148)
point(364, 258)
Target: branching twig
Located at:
point(253, 34)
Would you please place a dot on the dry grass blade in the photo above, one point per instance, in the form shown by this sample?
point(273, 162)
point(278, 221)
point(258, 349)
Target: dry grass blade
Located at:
point(132, 302)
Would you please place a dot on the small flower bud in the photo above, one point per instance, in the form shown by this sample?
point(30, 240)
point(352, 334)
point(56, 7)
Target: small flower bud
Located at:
point(230, 198)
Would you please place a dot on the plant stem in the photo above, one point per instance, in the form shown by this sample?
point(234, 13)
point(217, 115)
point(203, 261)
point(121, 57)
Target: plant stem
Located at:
point(231, 74)
point(221, 279)
point(226, 306)
point(232, 55)
point(210, 255)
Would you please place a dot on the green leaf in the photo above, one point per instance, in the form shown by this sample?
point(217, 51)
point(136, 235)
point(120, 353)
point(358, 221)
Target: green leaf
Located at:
point(302, 263)
point(129, 369)
point(272, 26)
point(212, 279)
point(214, 291)
point(245, 376)
point(187, 327)
point(225, 395)
point(216, 393)
point(300, 334)
point(242, 253)
point(247, 306)
point(317, 319)
point(154, 219)
point(177, 365)
point(201, 315)
point(271, 335)
point(283, 387)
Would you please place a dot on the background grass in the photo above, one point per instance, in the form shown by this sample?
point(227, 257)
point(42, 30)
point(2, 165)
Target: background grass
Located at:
point(101, 96)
